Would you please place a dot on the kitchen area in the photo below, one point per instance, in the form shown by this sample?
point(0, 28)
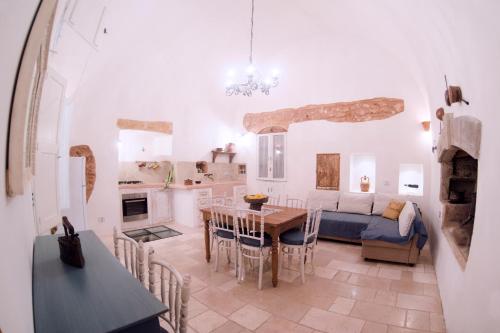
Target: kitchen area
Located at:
point(156, 191)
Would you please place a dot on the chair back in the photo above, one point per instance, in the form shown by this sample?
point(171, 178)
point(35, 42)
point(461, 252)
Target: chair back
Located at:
point(133, 254)
point(274, 201)
point(249, 224)
point(311, 226)
point(221, 218)
point(294, 203)
point(175, 296)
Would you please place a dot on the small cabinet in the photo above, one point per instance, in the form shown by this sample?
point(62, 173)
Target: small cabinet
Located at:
point(272, 156)
point(161, 206)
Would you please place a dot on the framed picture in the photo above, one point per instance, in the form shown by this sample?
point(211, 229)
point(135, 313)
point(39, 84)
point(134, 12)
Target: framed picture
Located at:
point(26, 99)
point(327, 171)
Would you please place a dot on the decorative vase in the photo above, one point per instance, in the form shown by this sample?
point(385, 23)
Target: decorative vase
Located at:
point(365, 184)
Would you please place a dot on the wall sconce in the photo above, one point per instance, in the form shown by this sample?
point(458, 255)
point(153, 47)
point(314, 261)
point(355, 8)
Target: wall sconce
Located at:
point(426, 125)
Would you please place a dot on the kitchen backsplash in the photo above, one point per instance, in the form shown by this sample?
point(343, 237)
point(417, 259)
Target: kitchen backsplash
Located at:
point(147, 174)
point(183, 170)
point(220, 172)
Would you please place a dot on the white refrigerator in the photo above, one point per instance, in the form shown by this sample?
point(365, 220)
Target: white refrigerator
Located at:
point(76, 194)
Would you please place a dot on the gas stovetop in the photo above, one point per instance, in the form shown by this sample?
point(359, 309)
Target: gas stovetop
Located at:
point(124, 182)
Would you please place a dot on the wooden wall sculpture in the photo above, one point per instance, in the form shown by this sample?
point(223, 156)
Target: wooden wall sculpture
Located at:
point(90, 167)
point(356, 111)
point(151, 126)
point(328, 171)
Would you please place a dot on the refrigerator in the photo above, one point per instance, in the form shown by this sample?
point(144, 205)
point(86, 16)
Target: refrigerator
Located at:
point(76, 194)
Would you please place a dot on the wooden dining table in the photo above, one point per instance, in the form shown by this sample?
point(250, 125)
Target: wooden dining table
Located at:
point(283, 219)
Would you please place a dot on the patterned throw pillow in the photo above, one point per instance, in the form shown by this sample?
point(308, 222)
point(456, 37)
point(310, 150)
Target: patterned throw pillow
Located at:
point(393, 210)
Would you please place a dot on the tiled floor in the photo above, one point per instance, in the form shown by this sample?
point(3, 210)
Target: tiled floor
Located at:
point(346, 293)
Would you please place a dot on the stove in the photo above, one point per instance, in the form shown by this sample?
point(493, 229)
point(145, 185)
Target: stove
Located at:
point(126, 182)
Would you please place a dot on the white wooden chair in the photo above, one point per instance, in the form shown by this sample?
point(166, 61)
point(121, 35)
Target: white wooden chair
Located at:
point(274, 201)
point(133, 254)
point(253, 243)
point(175, 296)
point(294, 203)
point(223, 233)
point(304, 241)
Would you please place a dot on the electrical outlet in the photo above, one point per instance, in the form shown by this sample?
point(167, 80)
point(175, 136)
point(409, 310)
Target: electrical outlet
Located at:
point(101, 219)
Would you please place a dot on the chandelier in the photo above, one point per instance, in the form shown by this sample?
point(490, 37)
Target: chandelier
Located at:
point(254, 80)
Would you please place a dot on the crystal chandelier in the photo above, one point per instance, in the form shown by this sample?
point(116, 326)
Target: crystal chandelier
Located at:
point(254, 80)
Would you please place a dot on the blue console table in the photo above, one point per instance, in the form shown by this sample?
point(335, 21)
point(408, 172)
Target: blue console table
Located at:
point(101, 297)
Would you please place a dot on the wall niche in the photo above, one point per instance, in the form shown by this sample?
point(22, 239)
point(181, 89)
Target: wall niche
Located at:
point(458, 154)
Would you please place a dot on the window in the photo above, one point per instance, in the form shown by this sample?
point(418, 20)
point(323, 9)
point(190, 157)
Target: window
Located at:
point(272, 156)
point(362, 165)
point(411, 179)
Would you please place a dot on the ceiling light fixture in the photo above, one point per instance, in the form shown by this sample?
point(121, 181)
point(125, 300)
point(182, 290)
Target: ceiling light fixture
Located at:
point(254, 80)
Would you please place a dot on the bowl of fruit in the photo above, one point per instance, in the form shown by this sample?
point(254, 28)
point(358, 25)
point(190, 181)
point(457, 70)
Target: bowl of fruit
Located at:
point(256, 200)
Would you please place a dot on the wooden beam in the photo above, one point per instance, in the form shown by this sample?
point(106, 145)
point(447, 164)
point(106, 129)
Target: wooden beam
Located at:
point(356, 111)
point(151, 126)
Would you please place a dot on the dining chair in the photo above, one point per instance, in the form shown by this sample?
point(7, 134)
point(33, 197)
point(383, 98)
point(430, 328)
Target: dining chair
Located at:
point(294, 203)
point(303, 240)
point(223, 233)
point(133, 254)
point(253, 242)
point(175, 296)
point(273, 201)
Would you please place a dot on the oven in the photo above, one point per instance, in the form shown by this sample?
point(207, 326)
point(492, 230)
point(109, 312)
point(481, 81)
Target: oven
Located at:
point(134, 206)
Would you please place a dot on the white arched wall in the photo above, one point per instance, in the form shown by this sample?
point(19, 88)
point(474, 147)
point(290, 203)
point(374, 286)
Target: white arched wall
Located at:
point(166, 61)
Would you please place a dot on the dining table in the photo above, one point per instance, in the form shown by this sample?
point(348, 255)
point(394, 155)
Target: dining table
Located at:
point(277, 221)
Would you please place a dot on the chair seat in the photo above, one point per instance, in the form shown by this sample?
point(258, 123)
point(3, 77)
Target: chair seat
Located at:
point(294, 237)
point(225, 234)
point(255, 242)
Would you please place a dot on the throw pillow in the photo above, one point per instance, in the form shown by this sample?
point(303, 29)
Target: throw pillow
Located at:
point(381, 201)
point(325, 199)
point(393, 210)
point(406, 219)
point(357, 203)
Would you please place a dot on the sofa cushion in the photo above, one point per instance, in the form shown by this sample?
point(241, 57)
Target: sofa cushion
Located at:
point(386, 230)
point(345, 225)
point(393, 210)
point(356, 203)
point(406, 218)
point(325, 199)
point(381, 201)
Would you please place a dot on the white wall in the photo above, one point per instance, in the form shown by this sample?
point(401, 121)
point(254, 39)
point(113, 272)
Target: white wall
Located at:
point(167, 61)
point(17, 228)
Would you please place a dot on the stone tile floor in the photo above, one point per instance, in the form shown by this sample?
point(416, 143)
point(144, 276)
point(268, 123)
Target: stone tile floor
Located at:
point(345, 293)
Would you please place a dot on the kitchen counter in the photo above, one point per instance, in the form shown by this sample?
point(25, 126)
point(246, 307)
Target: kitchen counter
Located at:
point(179, 186)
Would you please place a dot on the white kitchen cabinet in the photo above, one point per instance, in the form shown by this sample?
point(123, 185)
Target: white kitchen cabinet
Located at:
point(161, 203)
point(239, 192)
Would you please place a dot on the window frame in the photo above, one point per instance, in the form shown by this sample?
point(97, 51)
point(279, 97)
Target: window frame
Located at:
point(270, 157)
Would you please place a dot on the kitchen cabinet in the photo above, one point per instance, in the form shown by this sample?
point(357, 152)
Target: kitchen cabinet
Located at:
point(273, 189)
point(86, 17)
point(161, 204)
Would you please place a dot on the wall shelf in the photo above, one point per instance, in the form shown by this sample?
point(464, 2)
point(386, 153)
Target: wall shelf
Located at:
point(215, 153)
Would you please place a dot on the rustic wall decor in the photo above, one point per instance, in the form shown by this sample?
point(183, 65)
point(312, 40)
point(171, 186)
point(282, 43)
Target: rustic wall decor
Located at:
point(356, 111)
point(90, 167)
point(165, 127)
point(453, 94)
point(328, 171)
point(26, 99)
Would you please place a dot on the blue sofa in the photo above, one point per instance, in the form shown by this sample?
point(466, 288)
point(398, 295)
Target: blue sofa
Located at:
point(379, 236)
